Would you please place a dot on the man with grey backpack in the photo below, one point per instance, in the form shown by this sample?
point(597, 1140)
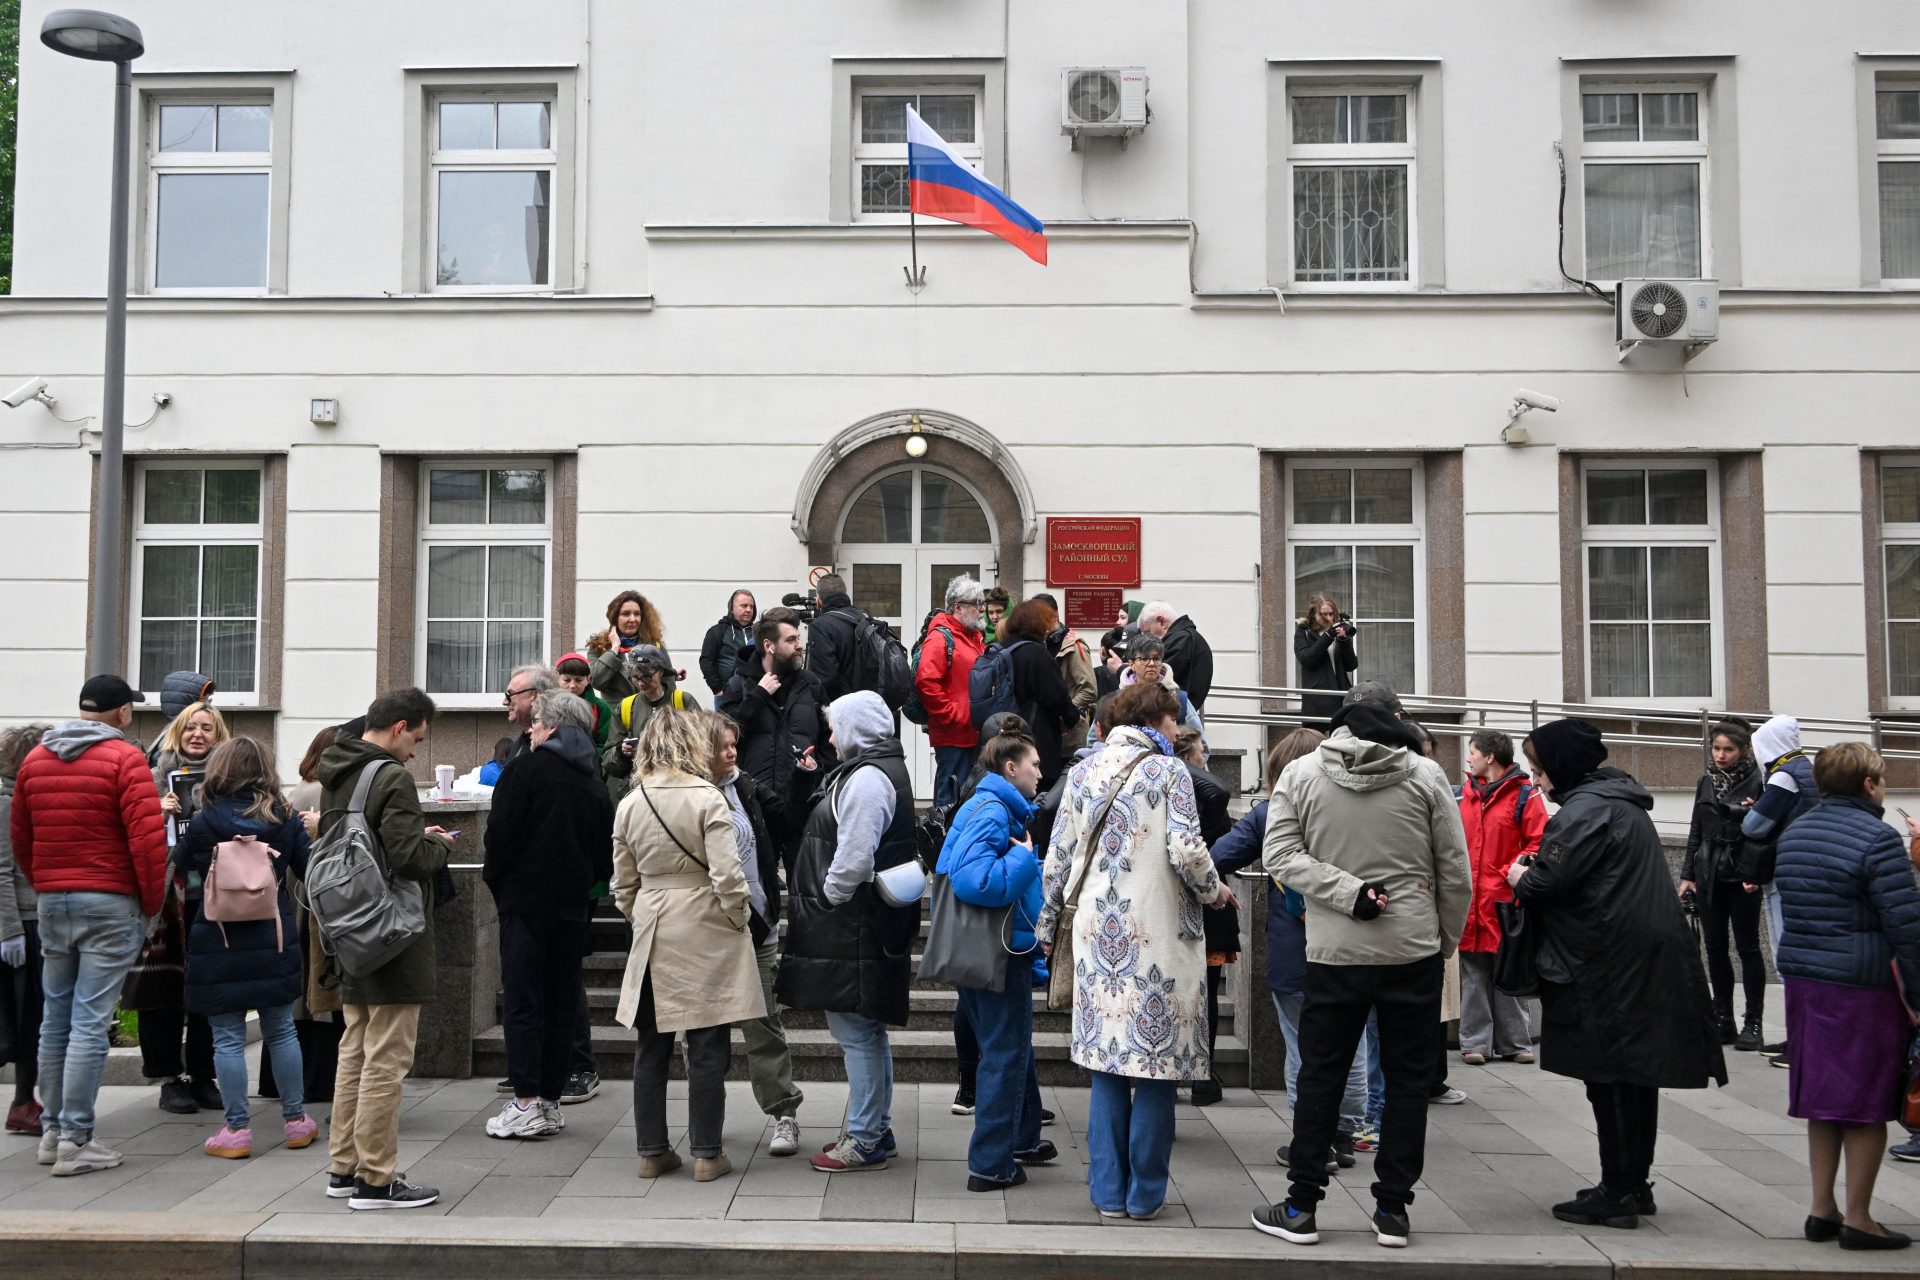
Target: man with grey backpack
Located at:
point(381, 1004)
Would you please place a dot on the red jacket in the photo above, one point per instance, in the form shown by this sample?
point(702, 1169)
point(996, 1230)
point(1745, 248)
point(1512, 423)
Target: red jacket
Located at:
point(942, 681)
point(1494, 840)
point(90, 824)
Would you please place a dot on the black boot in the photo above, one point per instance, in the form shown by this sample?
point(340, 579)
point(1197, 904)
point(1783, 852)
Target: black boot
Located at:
point(1748, 1041)
point(1723, 1021)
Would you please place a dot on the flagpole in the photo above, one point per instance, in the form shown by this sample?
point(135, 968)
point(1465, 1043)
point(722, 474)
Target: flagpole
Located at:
point(915, 281)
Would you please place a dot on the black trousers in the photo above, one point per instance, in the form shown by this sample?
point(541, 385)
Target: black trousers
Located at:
point(966, 1047)
point(160, 1036)
point(709, 1049)
point(1733, 909)
point(1628, 1119)
point(540, 1002)
point(1406, 998)
point(1216, 976)
point(581, 1060)
point(319, 1058)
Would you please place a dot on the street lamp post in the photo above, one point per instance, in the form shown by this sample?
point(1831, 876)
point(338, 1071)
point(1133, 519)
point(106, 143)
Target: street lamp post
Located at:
point(106, 37)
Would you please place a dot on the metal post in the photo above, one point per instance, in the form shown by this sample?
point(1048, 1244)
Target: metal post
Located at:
point(104, 644)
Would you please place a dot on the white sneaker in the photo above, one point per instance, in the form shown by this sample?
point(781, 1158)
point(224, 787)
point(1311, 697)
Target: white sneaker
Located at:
point(49, 1144)
point(555, 1121)
point(75, 1159)
point(516, 1121)
point(786, 1137)
point(1451, 1098)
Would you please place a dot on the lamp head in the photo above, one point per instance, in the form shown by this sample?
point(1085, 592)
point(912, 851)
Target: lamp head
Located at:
point(93, 35)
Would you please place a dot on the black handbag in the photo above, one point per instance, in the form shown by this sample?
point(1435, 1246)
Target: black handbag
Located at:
point(1516, 965)
point(967, 944)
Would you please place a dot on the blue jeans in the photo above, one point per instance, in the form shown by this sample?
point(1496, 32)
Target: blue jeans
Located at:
point(1129, 1140)
point(951, 765)
point(88, 942)
point(277, 1041)
point(1006, 1116)
point(1353, 1103)
point(869, 1057)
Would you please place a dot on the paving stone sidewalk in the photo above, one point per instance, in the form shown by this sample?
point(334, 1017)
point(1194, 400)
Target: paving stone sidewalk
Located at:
point(1731, 1179)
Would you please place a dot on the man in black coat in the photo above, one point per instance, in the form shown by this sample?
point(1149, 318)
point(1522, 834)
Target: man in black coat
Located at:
point(549, 842)
point(783, 724)
point(1189, 656)
point(725, 639)
point(830, 641)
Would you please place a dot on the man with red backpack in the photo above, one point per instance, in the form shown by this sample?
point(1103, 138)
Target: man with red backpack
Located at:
point(1504, 816)
point(950, 644)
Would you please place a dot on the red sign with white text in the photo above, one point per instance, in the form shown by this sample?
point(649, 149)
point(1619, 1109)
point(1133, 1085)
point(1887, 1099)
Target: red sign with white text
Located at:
point(1092, 608)
point(1093, 551)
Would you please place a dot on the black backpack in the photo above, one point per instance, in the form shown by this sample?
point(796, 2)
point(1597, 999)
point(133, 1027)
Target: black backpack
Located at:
point(880, 661)
point(912, 708)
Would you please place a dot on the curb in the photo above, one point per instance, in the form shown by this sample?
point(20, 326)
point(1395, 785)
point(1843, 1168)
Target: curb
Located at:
point(298, 1246)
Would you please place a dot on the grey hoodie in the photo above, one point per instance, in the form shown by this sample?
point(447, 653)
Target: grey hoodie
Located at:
point(1357, 812)
point(862, 800)
point(71, 738)
point(575, 746)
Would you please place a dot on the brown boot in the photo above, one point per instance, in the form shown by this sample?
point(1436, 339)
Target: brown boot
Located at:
point(654, 1166)
point(710, 1168)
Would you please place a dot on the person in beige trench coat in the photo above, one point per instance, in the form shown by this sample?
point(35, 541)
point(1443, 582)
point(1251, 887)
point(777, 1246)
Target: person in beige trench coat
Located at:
point(691, 969)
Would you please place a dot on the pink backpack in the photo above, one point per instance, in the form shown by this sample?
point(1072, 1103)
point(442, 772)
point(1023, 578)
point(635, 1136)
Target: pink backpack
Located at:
point(240, 885)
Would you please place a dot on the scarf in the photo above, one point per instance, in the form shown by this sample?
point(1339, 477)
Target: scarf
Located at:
point(1725, 780)
point(744, 842)
point(1159, 740)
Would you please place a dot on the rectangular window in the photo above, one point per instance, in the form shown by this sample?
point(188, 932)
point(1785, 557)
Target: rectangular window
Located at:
point(1355, 532)
point(1896, 119)
point(1351, 156)
point(210, 169)
point(1651, 534)
point(485, 588)
point(1900, 549)
point(1645, 151)
point(196, 574)
point(494, 162)
point(880, 138)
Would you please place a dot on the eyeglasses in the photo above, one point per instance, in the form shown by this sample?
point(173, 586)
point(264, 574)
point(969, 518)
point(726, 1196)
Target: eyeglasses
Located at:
point(511, 695)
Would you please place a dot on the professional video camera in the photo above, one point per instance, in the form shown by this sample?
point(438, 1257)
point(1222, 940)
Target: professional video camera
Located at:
point(807, 606)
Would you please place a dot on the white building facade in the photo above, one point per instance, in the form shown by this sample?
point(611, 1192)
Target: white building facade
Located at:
point(609, 294)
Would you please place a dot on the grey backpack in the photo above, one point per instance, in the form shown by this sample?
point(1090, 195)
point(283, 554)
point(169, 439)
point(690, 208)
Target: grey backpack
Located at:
point(366, 915)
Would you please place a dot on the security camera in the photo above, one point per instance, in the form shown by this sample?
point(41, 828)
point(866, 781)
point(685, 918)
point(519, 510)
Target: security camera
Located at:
point(1536, 400)
point(163, 398)
point(33, 390)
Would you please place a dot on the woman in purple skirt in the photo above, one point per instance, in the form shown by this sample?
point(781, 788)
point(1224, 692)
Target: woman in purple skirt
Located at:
point(1852, 916)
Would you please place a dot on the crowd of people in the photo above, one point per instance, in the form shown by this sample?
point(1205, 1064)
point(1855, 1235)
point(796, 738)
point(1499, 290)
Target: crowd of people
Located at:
point(769, 854)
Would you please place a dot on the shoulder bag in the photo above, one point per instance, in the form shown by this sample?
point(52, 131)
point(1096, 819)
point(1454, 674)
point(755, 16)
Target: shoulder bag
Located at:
point(1060, 960)
point(1516, 965)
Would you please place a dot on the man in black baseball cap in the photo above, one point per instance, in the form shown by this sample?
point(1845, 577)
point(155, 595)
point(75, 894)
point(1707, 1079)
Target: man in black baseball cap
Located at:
point(109, 693)
point(1372, 693)
point(85, 829)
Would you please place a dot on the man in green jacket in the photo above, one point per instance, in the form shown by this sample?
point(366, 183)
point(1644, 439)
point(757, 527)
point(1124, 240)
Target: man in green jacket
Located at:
point(382, 1008)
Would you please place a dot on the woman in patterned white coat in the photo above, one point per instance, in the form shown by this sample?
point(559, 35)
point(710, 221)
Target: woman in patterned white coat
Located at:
point(1139, 953)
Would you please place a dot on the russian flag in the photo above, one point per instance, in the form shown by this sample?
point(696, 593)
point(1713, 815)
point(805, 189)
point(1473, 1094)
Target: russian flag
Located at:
point(940, 185)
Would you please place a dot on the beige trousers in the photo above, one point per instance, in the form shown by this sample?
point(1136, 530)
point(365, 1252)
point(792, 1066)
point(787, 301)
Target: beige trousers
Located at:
point(376, 1052)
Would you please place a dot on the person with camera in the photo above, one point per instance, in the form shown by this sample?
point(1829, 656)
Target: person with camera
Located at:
point(650, 672)
point(831, 655)
point(1720, 879)
point(1323, 645)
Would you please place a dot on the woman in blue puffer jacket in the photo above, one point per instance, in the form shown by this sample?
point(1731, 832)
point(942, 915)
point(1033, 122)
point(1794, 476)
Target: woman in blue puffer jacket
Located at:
point(991, 863)
point(1852, 918)
point(248, 964)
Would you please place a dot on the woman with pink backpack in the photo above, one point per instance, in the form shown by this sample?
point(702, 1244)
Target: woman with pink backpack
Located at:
point(243, 948)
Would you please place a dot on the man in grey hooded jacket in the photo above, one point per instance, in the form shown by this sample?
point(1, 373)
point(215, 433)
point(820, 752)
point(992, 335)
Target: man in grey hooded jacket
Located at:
point(1368, 832)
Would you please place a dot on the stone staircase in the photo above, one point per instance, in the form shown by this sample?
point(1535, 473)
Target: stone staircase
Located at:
point(922, 1053)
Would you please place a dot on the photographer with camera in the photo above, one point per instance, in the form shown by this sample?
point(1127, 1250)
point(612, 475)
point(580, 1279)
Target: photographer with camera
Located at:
point(830, 648)
point(1323, 644)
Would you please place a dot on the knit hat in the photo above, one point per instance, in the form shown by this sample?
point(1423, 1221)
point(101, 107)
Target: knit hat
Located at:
point(1568, 750)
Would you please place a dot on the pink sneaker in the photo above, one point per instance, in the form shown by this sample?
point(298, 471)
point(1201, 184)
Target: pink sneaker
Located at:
point(231, 1144)
point(300, 1133)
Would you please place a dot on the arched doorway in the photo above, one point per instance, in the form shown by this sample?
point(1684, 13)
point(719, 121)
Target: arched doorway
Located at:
point(900, 524)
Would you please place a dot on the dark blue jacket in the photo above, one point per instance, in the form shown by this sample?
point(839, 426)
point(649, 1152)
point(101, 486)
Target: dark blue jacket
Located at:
point(985, 865)
point(1286, 911)
point(1847, 898)
point(1778, 804)
point(239, 969)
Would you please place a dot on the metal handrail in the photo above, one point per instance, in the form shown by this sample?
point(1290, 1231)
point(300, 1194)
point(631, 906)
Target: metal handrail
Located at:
point(1513, 713)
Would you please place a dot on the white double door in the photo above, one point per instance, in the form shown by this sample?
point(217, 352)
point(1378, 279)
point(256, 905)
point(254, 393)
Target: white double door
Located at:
point(899, 585)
